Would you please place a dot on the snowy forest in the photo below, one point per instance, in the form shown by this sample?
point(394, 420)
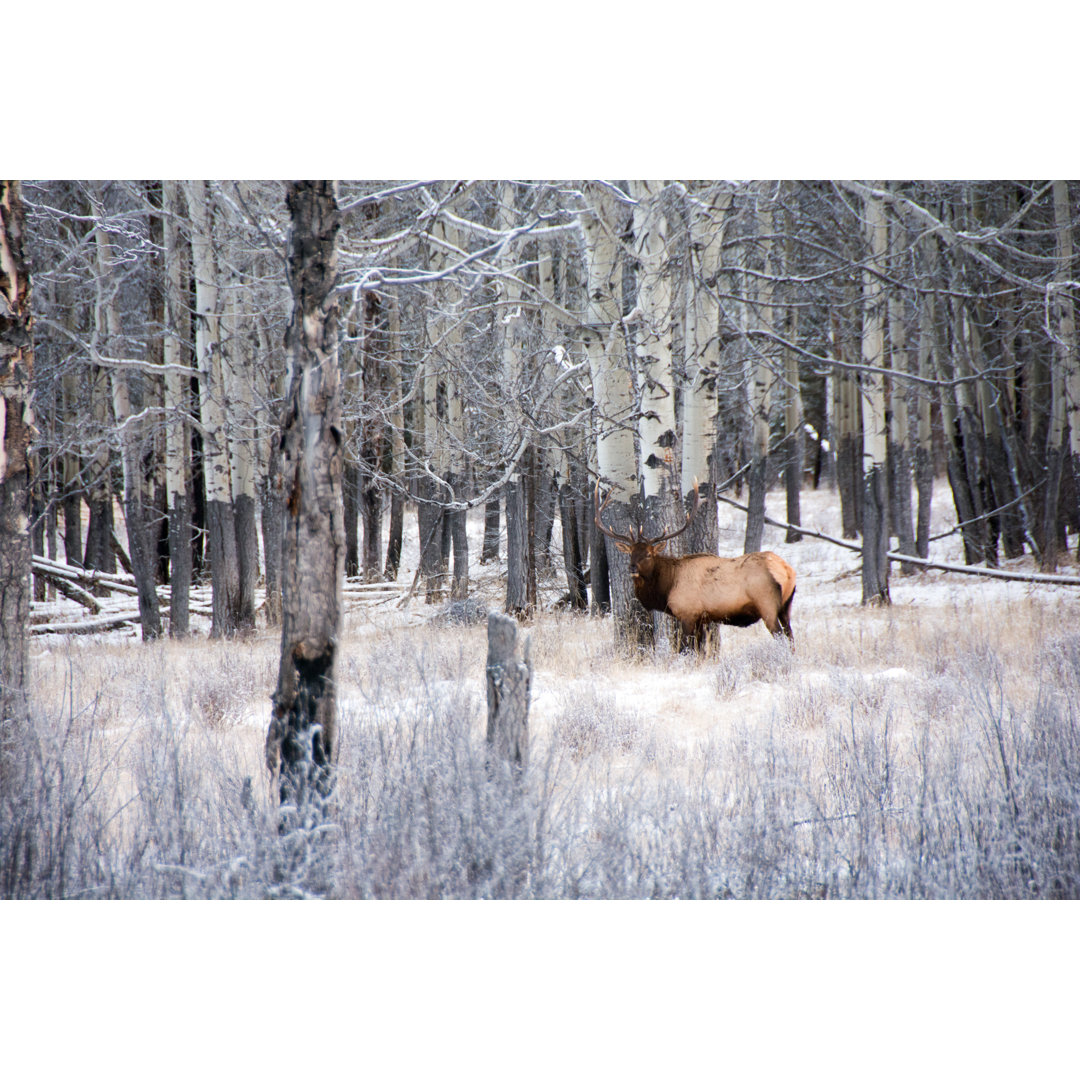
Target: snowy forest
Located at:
point(877, 380)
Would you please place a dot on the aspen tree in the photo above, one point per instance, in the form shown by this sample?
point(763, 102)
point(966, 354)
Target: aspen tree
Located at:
point(213, 409)
point(614, 398)
point(701, 343)
point(176, 332)
point(760, 377)
point(875, 516)
point(656, 384)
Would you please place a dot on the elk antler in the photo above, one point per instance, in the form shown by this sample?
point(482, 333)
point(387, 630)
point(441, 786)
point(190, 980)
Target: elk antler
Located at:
point(640, 539)
point(600, 525)
point(689, 515)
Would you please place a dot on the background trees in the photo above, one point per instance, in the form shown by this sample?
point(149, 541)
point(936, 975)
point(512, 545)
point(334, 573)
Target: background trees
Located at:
point(511, 343)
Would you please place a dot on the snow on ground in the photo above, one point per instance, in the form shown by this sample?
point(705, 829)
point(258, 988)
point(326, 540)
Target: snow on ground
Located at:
point(579, 679)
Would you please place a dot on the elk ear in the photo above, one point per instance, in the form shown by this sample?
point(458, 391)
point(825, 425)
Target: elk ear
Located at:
point(655, 549)
point(625, 548)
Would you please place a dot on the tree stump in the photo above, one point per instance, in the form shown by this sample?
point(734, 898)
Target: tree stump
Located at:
point(508, 682)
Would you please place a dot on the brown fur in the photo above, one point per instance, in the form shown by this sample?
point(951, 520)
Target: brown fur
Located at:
point(699, 590)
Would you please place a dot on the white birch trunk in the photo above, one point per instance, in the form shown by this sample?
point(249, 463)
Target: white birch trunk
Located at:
point(656, 427)
point(760, 380)
point(213, 408)
point(177, 433)
point(875, 523)
point(614, 401)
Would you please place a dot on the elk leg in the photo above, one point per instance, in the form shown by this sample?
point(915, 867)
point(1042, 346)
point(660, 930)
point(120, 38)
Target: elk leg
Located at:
point(785, 618)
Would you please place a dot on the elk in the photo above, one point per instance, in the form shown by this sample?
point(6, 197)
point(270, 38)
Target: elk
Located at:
point(698, 590)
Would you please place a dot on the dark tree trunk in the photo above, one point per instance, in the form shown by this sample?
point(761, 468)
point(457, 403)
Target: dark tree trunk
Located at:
point(847, 483)
point(793, 469)
point(634, 627)
point(903, 527)
point(16, 437)
point(875, 530)
point(1051, 523)
point(599, 579)
point(924, 484)
point(575, 572)
point(37, 532)
point(159, 534)
point(431, 525)
point(99, 532)
point(301, 743)
point(546, 499)
point(489, 551)
point(393, 543)
point(180, 566)
point(73, 538)
point(224, 568)
point(1006, 495)
point(351, 481)
point(972, 530)
point(143, 564)
point(273, 525)
point(508, 683)
point(247, 554)
point(517, 548)
point(703, 533)
point(757, 481)
point(371, 512)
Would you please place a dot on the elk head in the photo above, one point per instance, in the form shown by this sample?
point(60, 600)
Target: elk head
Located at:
point(642, 550)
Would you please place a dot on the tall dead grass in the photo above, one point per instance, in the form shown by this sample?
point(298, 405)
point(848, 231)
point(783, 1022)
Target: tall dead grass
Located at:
point(899, 753)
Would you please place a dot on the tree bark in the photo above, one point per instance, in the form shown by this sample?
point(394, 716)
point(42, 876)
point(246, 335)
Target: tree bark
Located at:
point(301, 744)
point(397, 446)
point(701, 345)
point(217, 467)
point(760, 379)
point(1063, 375)
point(16, 437)
point(489, 549)
point(875, 517)
point(508, 684)
point(613, 394)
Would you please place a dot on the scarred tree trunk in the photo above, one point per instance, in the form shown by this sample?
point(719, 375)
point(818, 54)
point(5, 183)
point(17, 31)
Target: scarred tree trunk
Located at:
point(301, 744)
point(16, 435)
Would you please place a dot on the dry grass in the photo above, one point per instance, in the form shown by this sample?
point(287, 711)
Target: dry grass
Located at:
point(931, 748)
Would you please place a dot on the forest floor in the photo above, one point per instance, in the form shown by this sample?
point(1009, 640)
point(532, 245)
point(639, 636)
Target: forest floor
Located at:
point(661, 704)
point(930, 747)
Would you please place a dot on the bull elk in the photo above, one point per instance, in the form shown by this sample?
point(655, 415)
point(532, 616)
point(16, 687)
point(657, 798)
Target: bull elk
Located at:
point(699, 590)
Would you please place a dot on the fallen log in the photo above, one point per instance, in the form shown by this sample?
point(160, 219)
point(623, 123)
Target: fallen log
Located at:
point(66, 587)
point(121, 583)
point(90, 626)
